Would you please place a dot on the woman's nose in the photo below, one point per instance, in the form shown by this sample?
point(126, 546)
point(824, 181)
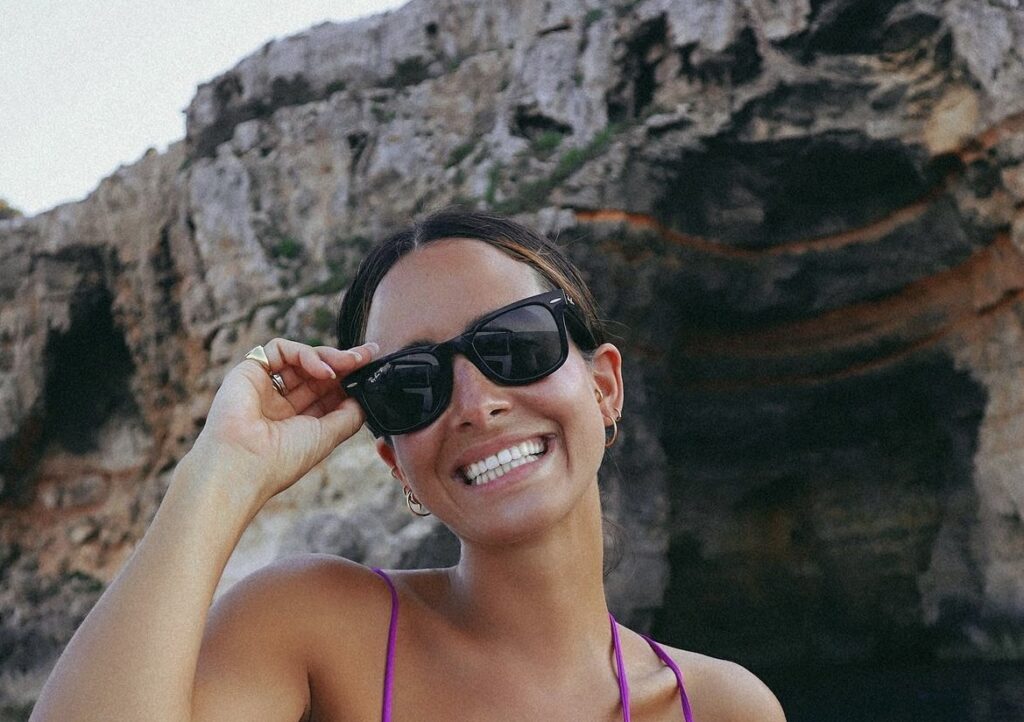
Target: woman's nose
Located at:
point(476, 400)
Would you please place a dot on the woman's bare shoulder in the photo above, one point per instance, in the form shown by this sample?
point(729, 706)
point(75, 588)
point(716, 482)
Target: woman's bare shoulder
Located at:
point(265, 634)
point(725, 691)
point(298, 591)
point(295, 608)
point(310, 571)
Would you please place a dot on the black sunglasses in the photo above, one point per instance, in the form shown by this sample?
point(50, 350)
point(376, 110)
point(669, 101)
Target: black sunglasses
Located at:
point(515, 345)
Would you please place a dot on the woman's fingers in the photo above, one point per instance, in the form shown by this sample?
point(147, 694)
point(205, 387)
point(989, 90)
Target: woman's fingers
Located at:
point(310, 375)
point(283, 353)
point(295, 376)
point(305, 392)
point(322, 404)
point(345, 361)
point(341, 423)
point(322, 362)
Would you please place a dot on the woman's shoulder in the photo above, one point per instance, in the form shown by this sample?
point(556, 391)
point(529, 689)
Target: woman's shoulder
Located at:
point(303, 595)
point(312, 570)
point(306, 581)
point(291, 620)
point(723, 690)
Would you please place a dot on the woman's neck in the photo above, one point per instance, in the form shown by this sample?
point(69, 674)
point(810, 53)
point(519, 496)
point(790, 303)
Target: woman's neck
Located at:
point(543, 596)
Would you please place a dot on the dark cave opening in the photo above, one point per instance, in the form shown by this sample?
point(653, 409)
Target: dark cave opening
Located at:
point(847, 26)
point(88, 379)
point(356, 146)
point(87, 382)
point(855, 27)
point(820, 508)
point(636, 89)
point(755, 195)
point(736, 64)
point(530, 124)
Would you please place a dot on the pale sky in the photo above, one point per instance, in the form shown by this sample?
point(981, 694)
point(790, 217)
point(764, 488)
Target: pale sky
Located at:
point(88, 85)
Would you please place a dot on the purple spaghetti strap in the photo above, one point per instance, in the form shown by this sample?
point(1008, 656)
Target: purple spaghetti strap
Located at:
point(389, 663)
point(620, 669)
point(671, 663)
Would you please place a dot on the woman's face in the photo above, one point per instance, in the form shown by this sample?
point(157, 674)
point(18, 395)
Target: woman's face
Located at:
point(433, 294)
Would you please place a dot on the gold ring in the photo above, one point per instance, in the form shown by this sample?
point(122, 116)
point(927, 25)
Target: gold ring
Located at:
point(278, 382)
point(259, 356)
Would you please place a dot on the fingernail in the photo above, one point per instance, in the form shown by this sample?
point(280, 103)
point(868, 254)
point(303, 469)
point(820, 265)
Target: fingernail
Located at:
point(327, 366)
point(372, 347)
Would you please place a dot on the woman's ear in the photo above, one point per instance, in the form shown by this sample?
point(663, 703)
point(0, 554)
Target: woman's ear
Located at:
point(386, 452)
point(606, 367)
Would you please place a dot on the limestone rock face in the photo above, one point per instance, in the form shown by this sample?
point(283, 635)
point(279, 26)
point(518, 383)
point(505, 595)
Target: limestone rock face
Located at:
point(803, 217)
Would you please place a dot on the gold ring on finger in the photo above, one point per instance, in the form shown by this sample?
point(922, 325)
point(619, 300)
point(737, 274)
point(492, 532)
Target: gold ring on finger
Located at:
point(278, 382)
point(259, 356)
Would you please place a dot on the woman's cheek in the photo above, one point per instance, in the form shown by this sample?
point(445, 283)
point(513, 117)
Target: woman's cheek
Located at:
point(571, 397)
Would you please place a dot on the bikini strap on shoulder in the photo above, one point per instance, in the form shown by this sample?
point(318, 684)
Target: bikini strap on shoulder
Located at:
point(389, 662)
point(671, 664)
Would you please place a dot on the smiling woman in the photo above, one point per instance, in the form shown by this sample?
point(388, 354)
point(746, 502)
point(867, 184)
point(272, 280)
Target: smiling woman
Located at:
point(472, 349)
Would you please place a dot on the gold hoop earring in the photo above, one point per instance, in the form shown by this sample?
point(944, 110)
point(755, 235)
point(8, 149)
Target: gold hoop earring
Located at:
point(615, 434)
point(609, 442)
point(414, 504)
point(614, 419)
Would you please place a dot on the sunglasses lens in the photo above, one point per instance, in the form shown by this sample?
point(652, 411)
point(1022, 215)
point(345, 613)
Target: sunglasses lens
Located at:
point(405, 391)
point(521, 345)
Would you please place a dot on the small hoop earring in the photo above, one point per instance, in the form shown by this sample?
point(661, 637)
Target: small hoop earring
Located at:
point(615, 434)
point(614, 419)
point(414, 504)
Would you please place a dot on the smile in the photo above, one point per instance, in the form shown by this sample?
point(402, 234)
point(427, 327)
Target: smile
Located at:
point(497, 465)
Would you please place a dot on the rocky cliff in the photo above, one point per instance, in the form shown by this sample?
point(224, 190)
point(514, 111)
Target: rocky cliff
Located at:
point(804, 216)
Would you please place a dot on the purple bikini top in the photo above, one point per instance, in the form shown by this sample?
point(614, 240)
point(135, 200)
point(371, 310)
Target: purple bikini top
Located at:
point(389, 665)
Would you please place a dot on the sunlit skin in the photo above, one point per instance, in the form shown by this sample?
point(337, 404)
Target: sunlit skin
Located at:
point(518, 630)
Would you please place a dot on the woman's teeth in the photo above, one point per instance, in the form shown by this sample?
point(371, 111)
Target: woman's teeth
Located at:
point(489, 469)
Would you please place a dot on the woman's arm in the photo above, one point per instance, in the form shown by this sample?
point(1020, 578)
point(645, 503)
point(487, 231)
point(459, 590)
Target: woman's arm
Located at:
point(135, 655)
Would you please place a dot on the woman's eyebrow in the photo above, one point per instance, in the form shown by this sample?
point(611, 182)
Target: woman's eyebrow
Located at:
point(418, 343)
point(421, 342)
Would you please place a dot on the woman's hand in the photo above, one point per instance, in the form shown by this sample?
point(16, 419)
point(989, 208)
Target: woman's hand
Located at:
point(266, 440)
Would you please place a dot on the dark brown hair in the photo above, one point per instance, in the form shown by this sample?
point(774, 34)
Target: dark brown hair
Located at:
point(546, 259)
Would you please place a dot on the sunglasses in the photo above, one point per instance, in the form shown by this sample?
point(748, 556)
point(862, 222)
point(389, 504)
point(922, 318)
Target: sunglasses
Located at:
point(515, 345)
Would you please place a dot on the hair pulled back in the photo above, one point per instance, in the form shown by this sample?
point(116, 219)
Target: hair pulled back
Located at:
point(514, 239)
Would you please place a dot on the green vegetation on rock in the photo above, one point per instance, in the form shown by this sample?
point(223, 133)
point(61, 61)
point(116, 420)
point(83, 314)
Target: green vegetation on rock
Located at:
point(323, 319)
point(592, 16)
point(534, 195)
point(545, 143)
point(493, 179)
point(460, 152)
point(286, 247)
point(411, 71)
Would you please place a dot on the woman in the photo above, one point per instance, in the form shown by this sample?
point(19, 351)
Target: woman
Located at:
point(499, 432)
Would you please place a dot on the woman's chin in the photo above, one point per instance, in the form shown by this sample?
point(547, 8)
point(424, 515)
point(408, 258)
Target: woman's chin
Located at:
point(522, 521)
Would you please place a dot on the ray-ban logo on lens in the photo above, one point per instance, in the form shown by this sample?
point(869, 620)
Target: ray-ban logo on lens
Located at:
point(377, 374)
